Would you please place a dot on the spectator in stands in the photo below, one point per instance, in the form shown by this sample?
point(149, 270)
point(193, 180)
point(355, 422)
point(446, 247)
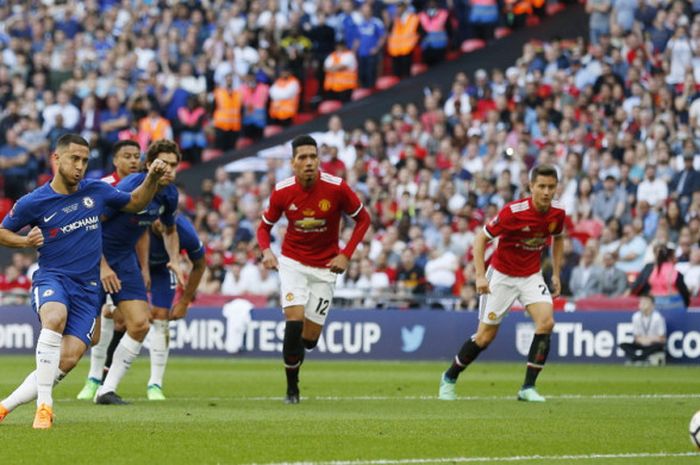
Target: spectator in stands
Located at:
point(227, 114)
point(483, 18)
point(586, 277)
point(599, 22)
point(662, 280)
point(214, 274)
point(648, 332)
point(284, 98)
point(613, 280)
point(691, 272)
point(441, 271)
point(191, 120)
point(685, 182)
point(17, 167)
point(14, 287)
point(369, 42)
point(610, 202)
point(341, 73)
point(434, 29)
point(403, 38)
point(631, 251)
point(254, 96)
point(652, 189)
point(410, 277)
point(322, 37)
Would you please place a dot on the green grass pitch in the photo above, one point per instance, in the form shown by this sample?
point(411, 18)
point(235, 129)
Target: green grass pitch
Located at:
point(230, 411)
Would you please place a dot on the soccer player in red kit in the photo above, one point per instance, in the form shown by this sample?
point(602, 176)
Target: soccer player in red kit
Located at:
point(313, 203)
point(524, 228)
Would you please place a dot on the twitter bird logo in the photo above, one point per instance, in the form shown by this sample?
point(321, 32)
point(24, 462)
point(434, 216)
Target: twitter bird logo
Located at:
point(412, 338)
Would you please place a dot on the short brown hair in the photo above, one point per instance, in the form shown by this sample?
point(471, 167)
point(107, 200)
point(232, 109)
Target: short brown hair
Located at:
point(65, 140)
point(545, 170)
point(162, 146)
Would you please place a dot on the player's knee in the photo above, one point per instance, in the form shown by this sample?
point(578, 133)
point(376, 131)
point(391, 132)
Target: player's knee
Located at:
point(139, 328)
point(310, 344)
point(546, 326)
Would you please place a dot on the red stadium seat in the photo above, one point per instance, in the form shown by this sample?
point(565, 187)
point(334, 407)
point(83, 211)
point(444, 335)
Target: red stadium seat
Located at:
point(452, 55)
point(361, 93)
point(271, 130)
point(329, 106)
point(531, 21)
point(210, 154)
point(183, 165)
point(502, 32)
point(244, 142)
point(418, 68)
point(470, 45)
point(302, 118)
point(555, 8)
point(385, 82)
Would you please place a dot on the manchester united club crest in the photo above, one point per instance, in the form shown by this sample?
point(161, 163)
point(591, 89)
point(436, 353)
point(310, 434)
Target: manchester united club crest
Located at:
point(324, 205)
point(289, 297)
point(492, 316)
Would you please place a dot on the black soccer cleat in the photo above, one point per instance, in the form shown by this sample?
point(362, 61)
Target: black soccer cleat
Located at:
point(292, 398)
point(110, 398)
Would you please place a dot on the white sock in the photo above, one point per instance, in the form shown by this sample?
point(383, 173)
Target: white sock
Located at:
point(98, 354)
point(48, 354)
point(127, 350)
point(159, 350)
point(26, 392)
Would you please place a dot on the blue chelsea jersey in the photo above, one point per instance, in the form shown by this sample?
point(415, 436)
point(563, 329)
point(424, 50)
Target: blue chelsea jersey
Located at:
point(121, 231)
point(70, 225)
point(189, 242)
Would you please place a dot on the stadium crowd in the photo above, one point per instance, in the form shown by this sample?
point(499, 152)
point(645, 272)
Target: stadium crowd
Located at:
point(619, 114)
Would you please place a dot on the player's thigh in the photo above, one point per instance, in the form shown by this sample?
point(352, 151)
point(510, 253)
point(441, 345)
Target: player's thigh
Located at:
point(163, 286)
point(532, 290)
point(136, 313)
point(320, 299)
point(493, 307)
point(84, 307)
point(542, 314)
point(294, 283)
point(133, 287)
point(50, 300)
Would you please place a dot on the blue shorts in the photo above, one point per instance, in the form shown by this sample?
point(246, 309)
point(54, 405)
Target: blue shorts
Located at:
point(129, 273)
point(81, 298)
point(163, 286)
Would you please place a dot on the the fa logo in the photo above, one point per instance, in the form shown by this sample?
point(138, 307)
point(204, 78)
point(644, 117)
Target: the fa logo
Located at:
point(47, 293)
point(88, 202)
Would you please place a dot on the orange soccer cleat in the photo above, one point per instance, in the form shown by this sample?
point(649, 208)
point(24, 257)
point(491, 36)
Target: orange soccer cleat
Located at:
point(43, 418)
point(3, 412)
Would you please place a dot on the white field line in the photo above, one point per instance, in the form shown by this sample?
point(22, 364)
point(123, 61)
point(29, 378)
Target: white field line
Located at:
point(414, 398)
point(515, 458)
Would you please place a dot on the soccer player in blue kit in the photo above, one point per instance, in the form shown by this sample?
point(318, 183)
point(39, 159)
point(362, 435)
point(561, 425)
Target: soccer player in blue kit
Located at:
point(65, 219)
point(163, 286)
point(121, 232)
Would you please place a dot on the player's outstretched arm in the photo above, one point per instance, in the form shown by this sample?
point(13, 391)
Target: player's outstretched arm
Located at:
point(480, 241)
point(142, 195)
point(180, 308)
point(11, 239)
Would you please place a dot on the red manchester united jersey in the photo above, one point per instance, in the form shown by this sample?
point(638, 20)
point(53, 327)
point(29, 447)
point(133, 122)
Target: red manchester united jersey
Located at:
point(523, 233)
point(111, 179)
point(313, 216)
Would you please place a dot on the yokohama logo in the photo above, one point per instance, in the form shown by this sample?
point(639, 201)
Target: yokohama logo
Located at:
point(82, 223)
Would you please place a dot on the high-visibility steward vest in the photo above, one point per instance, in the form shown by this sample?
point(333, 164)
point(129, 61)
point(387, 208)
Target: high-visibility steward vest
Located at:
point(483, 11)
point(284, 98)
point(255, 104)
point(404, 35)
point(434, 27)
point(520, 7)
point(227, 115)
point(339, 81)
point(151, 130)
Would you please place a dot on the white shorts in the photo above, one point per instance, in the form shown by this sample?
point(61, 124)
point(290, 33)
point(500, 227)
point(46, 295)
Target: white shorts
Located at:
point(505, 289)
point(307, 286)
